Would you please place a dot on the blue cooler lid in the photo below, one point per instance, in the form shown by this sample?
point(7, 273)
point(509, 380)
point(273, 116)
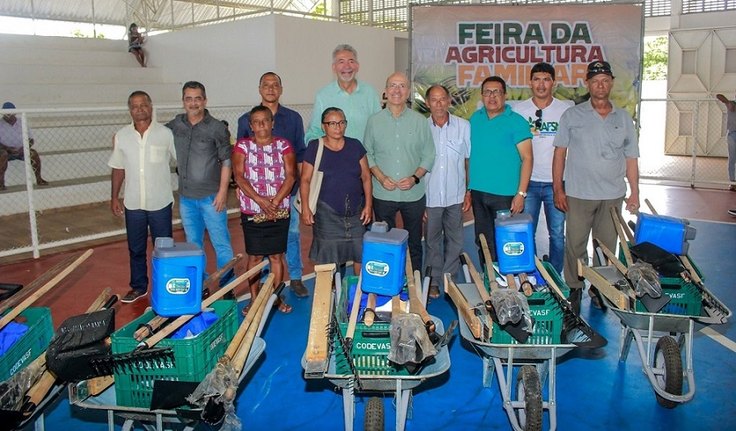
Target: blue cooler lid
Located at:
point(166, 247)
point(393, 236)
point(514, 219)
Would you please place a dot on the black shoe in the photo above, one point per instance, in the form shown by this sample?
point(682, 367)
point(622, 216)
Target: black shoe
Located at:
point(576, 295)
point(595, 298)
point(133, 295)
point(732, 212)
point(298, 288)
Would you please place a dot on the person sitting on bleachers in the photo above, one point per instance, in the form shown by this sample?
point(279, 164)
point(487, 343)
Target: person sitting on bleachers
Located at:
point(11, 146)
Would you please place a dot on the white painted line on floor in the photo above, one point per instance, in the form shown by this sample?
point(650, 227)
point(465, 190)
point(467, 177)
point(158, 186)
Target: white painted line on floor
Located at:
point(719, 338)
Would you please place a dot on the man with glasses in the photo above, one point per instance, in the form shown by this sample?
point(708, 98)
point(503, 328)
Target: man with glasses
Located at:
point(447, 193)
point(203, 153)
point(500, 159)
point(595, 148)
point(287, 124)
point(357, 99)
point(543, 112)
point(400, 152)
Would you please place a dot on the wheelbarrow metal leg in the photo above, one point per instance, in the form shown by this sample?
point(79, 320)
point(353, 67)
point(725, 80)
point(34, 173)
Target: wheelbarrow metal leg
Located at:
point(403, 397)
point(348, 407)
point(626, 338)
point(488, 369)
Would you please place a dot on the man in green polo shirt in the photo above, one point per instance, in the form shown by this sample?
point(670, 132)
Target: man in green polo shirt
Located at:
point(500, 159)
point(400, 151)
point(357, 99)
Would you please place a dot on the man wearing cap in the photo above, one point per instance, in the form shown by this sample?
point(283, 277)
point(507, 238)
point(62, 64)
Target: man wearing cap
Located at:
point(595, 148)
point(543, 112)
point(11, 146)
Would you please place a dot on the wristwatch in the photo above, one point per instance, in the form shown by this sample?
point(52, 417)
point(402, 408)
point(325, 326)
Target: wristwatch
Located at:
point(416, 179)
point(522, 194)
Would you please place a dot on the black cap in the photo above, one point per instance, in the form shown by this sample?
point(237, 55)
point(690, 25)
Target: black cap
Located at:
point(598, 67)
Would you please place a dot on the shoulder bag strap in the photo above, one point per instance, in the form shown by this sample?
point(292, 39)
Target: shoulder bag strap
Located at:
point(318, 158)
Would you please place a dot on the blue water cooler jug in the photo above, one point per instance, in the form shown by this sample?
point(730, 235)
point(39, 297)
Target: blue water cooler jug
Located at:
point(178, 270)
point(384, 259)
point(514, 243)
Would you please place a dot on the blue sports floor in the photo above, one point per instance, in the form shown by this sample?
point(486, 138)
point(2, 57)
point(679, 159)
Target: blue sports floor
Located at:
point(594, 391)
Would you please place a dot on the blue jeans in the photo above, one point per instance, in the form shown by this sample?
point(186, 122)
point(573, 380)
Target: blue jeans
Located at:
point(293, 246)
point(198, 214)
point(537, 194)
point(137, 224)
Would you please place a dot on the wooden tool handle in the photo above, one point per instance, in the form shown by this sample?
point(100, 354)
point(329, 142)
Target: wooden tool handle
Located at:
point(319, 323)
point(525, 284)
point(36, 284)
point(651, 207)
point(415, 304)
point(39, 390)
point(477, 280)
point(250, 318)
point(548, 278)
point(100, 300)
point(490, 272)
point(241, 355)
point(354, 310)
point(181, 320)
point(617, 222)
point(474, 323)
point(369, 316)
point(45, 288)
point(612, 257)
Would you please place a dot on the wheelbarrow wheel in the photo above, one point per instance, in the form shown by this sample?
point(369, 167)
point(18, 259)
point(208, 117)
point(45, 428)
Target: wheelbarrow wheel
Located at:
point(528, 389)
point(374, 415)
point(668, 359)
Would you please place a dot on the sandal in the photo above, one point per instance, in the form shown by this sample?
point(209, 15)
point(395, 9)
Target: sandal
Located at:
point(282, 306)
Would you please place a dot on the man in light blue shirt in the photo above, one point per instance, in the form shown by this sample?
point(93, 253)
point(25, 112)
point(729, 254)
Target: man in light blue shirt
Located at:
point(400, 152)
point(357, 99)
point(447, 193)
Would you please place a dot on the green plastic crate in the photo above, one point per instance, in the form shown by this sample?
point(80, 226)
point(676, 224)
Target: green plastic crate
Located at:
point(370, 349)
point(685, 299)
point(31, 344)
point(371, 345)
point(547, 322)
point(195, 357)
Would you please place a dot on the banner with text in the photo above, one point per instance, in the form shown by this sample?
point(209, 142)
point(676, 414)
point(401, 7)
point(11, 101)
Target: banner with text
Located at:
point(460, 46)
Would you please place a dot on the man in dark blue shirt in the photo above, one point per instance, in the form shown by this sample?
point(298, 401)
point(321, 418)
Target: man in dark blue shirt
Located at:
point(287, 124)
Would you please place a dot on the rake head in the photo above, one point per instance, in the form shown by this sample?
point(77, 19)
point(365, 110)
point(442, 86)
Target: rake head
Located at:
point(124, 363)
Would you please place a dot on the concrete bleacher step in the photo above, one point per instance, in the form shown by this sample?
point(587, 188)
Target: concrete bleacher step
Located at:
point(44, 73)
point(60, 42)
point(77, 94)
point(50, 56)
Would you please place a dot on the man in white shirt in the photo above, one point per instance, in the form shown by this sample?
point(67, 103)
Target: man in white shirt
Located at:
point(543, 113)
point(447, 193)
point(11, 146)
point(142, 152)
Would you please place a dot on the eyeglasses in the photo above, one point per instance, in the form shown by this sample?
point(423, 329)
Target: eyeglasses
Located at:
point(494, 92)
point(335, 124)
point(538, 121)
point(400, 85)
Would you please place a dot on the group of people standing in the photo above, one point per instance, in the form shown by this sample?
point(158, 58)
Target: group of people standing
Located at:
point(376, 162)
